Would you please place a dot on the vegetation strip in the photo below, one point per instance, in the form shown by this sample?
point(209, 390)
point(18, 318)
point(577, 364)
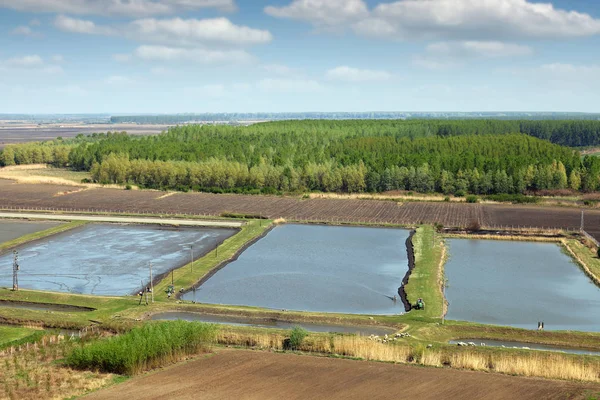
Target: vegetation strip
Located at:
point(584, 258)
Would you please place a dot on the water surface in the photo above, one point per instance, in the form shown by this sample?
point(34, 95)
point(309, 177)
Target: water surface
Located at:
point(241, 321)
point(11, 229)
point(529, 346)
point(106, 259)
point(518, 284)
point(315, 268)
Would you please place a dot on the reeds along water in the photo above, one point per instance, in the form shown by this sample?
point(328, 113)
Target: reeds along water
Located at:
point(553, 366)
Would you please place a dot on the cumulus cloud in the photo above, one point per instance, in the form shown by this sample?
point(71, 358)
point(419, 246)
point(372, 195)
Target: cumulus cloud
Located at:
point(349, 74)
point(289, 85)
point(118, 80)
point(193, 31)
point(444, 55)
point(481, 19)
point(22, 30)
point(200, 56)
point(31, 63)
point(321, 13)
point(281, 70)
point(74, 25)
point(484, 20)
point(132, 8)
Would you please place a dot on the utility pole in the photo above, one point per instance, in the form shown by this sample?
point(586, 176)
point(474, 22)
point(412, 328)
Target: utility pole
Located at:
point(216, 248)
point(151, 284)
point(192, 257)
point(582, 226)
point(15, 270)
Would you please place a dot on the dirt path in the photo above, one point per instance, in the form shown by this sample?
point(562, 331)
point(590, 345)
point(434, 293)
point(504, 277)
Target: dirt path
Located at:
point(126, 220)
point(241, 374)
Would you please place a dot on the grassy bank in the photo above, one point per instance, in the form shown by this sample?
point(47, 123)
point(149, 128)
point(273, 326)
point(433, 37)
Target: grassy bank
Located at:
point(40, 235)
point(190, 274)
point(10, 334)
point(426, 279)
point(585, 257)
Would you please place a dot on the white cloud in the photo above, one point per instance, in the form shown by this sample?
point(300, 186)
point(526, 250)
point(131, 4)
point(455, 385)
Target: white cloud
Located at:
point(118, 80)
point(30, 61)
point(132, 8)
point(201, 56)
point(211, 90)
point(321, 13)
point(349, 74)
point(193, 31)
point(35, 22)
point(160, 71)
point(490, 49)
point(289, 85)
point(431, 63)
point(278, 69)
point(475, 19)
point(122, 58)
point(23, 30)
point(57, 58)
point(74, 25)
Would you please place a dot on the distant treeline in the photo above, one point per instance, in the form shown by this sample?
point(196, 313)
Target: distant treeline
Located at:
point(235, 117)
point(333, 156)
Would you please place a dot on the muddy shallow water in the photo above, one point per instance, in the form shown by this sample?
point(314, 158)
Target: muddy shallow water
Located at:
point(315, 268)
point(11, 229)
point(526, 346)
point(518, 284)
point(24, 305)
point(106, 259)
point(241, 321)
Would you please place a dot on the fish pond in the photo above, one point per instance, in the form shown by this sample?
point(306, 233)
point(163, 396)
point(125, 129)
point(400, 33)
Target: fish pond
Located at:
point(352, 270)
point(107, 259)
point(11, 229)
point(519, 284)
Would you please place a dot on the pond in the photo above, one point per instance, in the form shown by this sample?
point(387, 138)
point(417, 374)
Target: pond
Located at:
point(107, 259)
point(351, 270)
point(241, 321)
point(10, 229)
point(519, 284)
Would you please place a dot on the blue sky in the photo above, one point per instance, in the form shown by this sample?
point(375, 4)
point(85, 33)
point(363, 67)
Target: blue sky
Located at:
point(169, 56)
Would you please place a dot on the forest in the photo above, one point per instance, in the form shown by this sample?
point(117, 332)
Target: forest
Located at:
point(451, 157)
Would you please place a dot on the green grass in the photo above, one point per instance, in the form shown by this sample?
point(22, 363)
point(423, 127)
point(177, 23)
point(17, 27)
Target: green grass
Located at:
point(188, 275)
point(10, 334)
point(587, 257)
point(424, 281)
point(41, 234)
point(149, 346)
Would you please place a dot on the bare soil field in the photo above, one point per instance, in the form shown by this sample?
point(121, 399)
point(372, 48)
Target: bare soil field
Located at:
point(63, 197)
point(241, 374)
point(30, 132)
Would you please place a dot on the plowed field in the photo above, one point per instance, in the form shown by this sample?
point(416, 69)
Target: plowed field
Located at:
point(253, 375)
point(48, 197)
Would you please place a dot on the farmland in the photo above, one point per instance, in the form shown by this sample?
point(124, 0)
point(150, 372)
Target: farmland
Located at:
point(50, 197)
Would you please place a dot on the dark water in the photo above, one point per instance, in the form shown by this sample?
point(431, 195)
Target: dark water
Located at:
point(106, 259)
point(531, 346)
point(315, 268)
point(10, 229)
point(518, 284)
point(42, 307)
point(240, 321)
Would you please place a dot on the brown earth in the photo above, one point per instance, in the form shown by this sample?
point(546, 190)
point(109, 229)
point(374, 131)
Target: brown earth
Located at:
point(32, 196)
point(242, 374)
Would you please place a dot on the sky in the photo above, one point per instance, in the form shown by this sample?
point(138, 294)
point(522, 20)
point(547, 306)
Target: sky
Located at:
point(179, 56)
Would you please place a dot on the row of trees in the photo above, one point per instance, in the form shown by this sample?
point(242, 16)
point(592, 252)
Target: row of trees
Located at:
point(230, 175)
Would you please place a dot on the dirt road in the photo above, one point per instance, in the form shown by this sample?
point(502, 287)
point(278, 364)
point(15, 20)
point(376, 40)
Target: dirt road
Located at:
point(124, 220)
point(241, 374)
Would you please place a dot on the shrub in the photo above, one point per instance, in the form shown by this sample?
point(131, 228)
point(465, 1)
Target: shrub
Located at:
point(447, 198)
point(145, 347)
point(459, 193)
point(474, 226)
point(128, 187)
point(297, 336)
point(472, 199)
